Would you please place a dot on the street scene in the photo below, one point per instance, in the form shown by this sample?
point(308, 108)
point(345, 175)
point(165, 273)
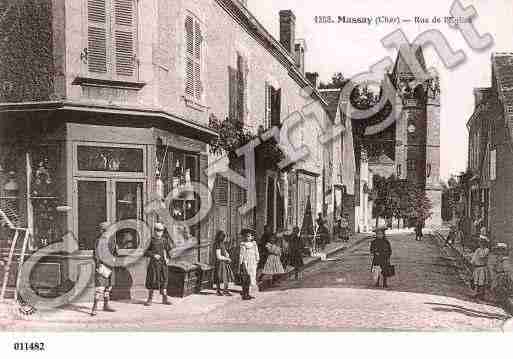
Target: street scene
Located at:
point(336, 294)
point(221, 165)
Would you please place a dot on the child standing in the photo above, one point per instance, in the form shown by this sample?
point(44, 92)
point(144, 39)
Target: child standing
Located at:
point(273, 266)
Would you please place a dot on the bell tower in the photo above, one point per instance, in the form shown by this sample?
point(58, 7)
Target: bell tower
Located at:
point(417, 156)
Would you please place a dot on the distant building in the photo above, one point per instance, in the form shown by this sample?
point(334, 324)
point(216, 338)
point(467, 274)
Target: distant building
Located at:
point(489, 201)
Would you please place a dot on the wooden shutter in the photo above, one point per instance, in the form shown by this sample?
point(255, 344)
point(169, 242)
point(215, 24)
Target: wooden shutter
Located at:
point(189, 50)
point(241, 101)
point(276, 107)
point(268, 106)
point(193, 58)
point(97, 36)
point(233, 91)
point(124, 28)
point(198, 45)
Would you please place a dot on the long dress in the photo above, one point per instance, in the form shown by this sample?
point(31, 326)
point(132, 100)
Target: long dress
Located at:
point(480, 263)
point(295, 252)
point(157, 275)
point(273, 264)
point(249, 257)
point(223, 270)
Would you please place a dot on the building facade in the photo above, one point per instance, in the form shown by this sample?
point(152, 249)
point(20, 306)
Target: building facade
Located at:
point(105, 108)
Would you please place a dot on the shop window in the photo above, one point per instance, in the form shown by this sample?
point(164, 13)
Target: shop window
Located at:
point(179, 169)
point(110, 159)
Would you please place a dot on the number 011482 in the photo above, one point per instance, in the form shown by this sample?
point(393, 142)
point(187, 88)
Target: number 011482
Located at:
point(29, 346)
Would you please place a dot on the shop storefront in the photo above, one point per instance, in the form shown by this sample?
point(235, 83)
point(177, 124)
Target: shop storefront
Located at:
point(68, 172)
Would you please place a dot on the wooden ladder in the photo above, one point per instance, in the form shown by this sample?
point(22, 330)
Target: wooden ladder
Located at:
point(7, 270)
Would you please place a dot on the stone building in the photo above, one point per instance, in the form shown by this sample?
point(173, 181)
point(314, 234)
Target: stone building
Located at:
point(490, 192)
point(105, 106)
point(409, 146)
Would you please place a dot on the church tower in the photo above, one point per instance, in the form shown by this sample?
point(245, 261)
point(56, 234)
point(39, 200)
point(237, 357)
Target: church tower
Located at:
point(417, 103)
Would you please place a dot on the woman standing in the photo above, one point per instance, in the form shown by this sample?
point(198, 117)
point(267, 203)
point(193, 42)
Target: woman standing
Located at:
point(273, 266)
point(159, 252)
point(381, 251)
point(223, 269)
point(295, 253)
point(481, 273)
point(248, 262)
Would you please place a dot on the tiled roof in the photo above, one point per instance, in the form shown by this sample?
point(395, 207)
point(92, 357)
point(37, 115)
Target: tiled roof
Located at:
point(502, 64)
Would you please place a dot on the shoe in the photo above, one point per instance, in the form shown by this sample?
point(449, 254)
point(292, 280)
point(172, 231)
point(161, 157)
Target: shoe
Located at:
point(227, 293)
point(246, 297)
point(219, 293)
point(107, 307)
point(165, 301)
point(148, 304)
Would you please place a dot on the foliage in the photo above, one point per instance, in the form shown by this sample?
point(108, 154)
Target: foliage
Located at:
point(452, 192)
point(337, 82)
point(396, 198)
point(363, 97)
point(231, 136)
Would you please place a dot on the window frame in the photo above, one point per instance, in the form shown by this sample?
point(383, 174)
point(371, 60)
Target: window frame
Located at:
point(111, 73)
point(200, 62)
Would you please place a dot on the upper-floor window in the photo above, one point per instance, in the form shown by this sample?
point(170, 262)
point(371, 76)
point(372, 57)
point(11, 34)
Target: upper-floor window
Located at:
point(272, 106)
point(193, 58)
point(238, 84)
point(112, 38)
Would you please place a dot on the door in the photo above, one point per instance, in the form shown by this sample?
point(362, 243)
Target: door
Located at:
point(113, 200)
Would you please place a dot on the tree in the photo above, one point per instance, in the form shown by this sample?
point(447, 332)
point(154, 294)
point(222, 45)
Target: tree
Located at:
point(337, 82)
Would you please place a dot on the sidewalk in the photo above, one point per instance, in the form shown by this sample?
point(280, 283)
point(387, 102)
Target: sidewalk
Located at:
point(131, 315)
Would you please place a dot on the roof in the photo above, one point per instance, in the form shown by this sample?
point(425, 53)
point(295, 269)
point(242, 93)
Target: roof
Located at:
point(502, 66)
point(332, 97)
point(401, 67)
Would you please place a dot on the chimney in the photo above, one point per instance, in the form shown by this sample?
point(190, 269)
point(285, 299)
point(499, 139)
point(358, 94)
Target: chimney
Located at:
point(288, 31)
point(313, 78)
point(300, 49)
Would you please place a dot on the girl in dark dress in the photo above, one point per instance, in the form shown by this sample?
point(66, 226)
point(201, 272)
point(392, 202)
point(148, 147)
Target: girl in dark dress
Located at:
point(223, 270)
point(159, 251)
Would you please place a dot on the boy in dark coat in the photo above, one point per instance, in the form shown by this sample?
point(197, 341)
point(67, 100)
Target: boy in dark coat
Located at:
point(159, 252)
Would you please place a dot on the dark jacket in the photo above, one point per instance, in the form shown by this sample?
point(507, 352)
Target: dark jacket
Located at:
point(157, 274)
point(381, 251)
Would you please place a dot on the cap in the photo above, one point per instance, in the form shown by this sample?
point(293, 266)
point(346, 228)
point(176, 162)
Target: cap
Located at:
point(158, 226)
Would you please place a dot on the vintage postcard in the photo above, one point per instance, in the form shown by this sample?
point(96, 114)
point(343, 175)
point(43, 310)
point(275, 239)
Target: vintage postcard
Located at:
point(255, 166)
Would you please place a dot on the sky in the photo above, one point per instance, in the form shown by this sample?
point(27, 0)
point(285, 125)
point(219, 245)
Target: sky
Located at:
point(354, 48)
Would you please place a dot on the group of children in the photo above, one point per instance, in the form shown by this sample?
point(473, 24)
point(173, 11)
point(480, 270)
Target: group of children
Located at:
point(258, 263)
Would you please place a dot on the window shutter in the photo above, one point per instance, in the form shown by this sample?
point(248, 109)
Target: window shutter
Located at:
point(198, 44)
point(241, 87)
point(233, 90)
point(221, 195)
point(124, 37)
point(189, 65)
point(97, 36)
point(276, 107)
point(268, 105)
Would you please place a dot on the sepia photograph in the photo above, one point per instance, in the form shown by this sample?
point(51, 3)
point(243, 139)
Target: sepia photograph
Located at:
point(243, 167)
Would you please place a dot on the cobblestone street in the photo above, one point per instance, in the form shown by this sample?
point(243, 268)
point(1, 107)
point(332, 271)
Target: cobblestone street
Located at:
point(426, 294)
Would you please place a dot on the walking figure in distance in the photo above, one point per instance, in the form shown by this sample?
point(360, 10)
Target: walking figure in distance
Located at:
point(481, 275)
point(381, 251)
